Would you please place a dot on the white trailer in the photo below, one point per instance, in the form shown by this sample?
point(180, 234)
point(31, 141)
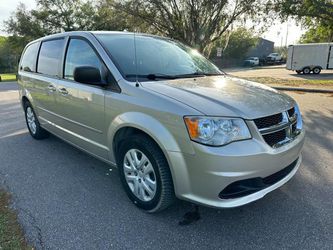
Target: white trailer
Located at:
point(312, 57)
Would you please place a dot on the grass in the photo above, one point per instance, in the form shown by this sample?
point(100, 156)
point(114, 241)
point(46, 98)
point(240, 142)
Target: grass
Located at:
point(11, 235)
point(8, 77)
point(291, 82)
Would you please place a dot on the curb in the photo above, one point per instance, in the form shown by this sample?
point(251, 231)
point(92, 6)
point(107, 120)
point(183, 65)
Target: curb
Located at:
point(325, 91)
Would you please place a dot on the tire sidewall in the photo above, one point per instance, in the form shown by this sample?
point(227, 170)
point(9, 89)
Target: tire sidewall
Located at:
point(26, 106)
point(40, 133)
point(306, 69)
point(124, 148)
point(314, 71)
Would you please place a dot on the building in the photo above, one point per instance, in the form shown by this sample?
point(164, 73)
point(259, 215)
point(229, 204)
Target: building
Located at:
point(263, 48)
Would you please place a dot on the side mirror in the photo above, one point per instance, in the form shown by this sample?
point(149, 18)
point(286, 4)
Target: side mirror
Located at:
point(88, 75)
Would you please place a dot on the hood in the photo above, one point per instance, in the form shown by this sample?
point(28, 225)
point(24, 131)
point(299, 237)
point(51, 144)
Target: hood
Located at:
point(224, 96)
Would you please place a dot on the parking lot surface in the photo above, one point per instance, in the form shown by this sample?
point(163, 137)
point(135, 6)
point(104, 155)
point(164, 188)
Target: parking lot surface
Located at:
point(66, 199)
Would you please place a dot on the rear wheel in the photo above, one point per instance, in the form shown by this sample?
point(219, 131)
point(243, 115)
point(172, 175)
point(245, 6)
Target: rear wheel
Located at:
point(306, 70)
point(145, 174)
point(36, 131)
point(316, 70)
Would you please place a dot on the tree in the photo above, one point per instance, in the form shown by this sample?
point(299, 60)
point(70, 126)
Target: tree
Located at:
point(24, 26)
point(317, 34)
point(314, 14)
point(54, 16)
point(65, 15)
point(50, 16)
point(198, 23)
point(239, 43)
point(108, 17)
point(8, 57)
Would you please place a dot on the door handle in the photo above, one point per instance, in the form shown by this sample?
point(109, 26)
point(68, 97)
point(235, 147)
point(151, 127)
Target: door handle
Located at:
point(51, 88)
point(63, 91)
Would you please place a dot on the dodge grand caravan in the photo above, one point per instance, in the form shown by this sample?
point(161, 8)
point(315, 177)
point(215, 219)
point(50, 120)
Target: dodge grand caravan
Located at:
point(169, 119)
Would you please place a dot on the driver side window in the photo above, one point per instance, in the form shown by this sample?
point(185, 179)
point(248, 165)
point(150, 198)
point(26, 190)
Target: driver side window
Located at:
point(79, 53)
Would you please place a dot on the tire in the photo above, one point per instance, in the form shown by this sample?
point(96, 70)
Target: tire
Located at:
point(316, 70)
point(158, 198)
point(306, 71)
point(35, 130)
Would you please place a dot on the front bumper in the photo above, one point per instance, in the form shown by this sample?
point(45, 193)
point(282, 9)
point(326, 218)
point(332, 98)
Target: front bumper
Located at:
point(201, 177)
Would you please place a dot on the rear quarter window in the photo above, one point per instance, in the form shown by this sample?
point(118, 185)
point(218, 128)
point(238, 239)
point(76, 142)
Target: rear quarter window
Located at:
point(28, 62)
point(49, 57)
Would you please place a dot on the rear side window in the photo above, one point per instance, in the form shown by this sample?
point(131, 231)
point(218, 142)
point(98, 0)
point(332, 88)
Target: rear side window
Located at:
point(49, 57)
point(28, 62)
point(80, 53)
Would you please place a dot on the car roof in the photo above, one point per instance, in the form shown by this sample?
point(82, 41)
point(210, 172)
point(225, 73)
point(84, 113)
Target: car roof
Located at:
point(83, 33)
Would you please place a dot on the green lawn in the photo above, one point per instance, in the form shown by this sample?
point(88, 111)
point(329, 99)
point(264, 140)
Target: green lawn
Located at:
point(8, 77)
point(11, 235)
point(290, 82)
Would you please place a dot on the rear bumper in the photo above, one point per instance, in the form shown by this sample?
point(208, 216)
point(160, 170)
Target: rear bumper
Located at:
point(200, 178)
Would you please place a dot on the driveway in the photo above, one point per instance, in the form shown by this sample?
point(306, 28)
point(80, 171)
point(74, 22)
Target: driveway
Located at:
point(66, 199)
point(277, 72)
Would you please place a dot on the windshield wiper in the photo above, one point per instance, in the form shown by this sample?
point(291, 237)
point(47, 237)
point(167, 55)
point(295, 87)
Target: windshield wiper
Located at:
point(164, 76)
point(153, 76)
point(197, 74)
point(189, 75)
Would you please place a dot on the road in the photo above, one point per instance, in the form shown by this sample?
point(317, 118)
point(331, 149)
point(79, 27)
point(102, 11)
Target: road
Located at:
point(65, 199)
point(278, 72)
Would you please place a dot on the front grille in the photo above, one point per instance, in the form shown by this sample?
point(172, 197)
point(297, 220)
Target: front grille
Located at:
point(293, 128)
point(278, 129)
point(291, 112)
point(275, 137)
point(268, 121)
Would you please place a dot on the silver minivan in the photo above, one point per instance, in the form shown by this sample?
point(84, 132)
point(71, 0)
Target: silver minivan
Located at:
point(169, 119)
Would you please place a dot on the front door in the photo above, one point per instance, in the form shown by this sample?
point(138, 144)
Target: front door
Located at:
point(81, 106)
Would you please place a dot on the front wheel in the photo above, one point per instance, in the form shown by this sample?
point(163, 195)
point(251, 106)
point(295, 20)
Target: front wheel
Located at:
point(145, 174)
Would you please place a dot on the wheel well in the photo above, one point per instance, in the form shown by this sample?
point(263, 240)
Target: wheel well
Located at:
point(124, 133)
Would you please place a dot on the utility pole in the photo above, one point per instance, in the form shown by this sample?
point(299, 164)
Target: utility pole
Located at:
point(287, 34)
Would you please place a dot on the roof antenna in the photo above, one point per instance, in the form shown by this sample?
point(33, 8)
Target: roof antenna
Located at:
point(136, 62)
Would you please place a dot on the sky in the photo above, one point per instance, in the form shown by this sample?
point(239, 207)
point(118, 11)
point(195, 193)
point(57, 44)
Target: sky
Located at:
point(277, 32)
point(286, 33)
point(8, 6)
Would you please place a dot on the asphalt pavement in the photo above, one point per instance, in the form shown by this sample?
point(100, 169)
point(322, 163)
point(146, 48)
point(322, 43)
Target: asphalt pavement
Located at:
point(66, 199)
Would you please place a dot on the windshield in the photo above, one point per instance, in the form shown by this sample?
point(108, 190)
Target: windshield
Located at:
point(156, 57)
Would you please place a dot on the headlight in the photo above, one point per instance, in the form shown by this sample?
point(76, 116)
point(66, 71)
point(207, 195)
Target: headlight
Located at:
point(216, 131)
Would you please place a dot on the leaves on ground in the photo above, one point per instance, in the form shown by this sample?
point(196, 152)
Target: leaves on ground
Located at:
point(11, 234)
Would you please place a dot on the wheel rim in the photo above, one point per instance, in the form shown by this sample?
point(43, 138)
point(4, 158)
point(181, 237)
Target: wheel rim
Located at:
point(140, 175)
point(31, 120)
point(316, 70)
point(306, 71)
